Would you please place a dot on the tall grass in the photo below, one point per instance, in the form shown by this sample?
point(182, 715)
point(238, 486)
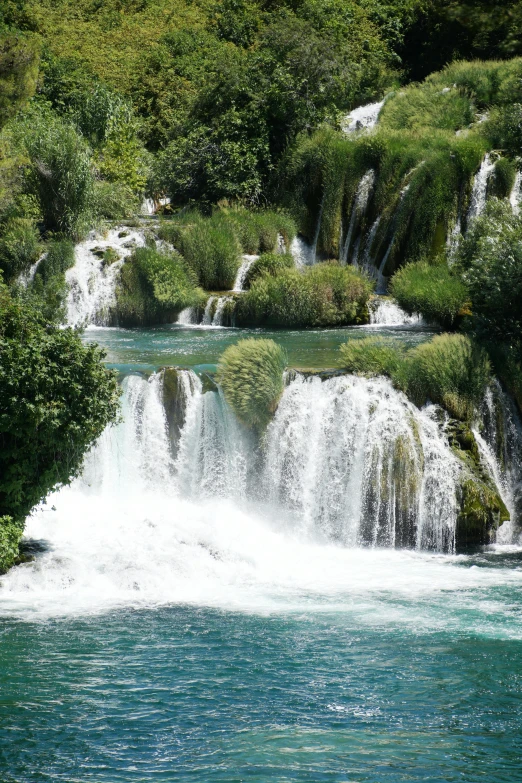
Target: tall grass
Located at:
point(269, 264)
point(154, 287)
point(433, 291)
point(451, 370)
point(251, 376)
point(323, 295)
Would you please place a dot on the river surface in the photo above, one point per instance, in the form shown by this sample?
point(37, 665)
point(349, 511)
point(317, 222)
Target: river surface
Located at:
point(160, 637)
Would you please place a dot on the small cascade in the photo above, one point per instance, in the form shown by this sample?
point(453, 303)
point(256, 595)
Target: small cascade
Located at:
point(207, 315)
point(500, 443)
point(354, 461)
point(386, 312)
point(188, 317)
point(219, 312)
point(26, 278)
point(362, 118)
point(317, 232)
point(480, 187)
point(242, 272)
point(302, 252)
point(360, 204)
point(367, 261)
point(92, 282)
point(515, 196)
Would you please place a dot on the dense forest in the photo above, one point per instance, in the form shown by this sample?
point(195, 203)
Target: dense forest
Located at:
point(232, 116)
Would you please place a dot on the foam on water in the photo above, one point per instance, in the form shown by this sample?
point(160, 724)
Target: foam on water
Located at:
point(386, 312)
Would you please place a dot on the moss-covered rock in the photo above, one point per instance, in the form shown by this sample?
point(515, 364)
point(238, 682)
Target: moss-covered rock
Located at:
point(481, 508)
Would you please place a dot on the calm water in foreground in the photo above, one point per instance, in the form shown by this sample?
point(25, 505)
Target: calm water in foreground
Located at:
point(199, 644)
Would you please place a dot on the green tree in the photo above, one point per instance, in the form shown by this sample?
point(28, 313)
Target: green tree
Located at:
point(55, 399)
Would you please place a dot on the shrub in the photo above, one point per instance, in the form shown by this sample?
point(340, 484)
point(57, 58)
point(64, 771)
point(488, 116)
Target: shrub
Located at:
point(154, 287)
point(322, 295)
point(372, 356)
point(451, 369)
point(209, 246)
point(269, 264)
point(431, 290)
point(490, 260)
point(114, 201)
point(59, 258)
point(19, 246)
point(60, 171)
point(10, 537)
point(258, 232)
point(56, 397)
point(251, 376)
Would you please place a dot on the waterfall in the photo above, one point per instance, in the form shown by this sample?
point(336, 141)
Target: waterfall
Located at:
point(222, 301)
point(479, 189)
point(386, 312)
point(302, 253)
point(317, 232)
point(360, 204)
point(92, 282)
point(367, 257)
point(188, 317)
point(242, 272)
point(362, 118)
point(207, 315)
point(515, 195)
point(354, 461)
point(500, 442)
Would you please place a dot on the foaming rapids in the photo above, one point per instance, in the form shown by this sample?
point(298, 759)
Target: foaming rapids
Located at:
point(178, 503)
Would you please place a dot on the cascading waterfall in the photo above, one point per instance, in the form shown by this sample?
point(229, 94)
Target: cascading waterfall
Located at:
point(360, 205)
point(500, 442)
point(219, 312)
point(386, 312)
point(91, 282)
point(516, 195)
point(207, 315)
point(302, 252)
point(352, 460)
point(362, 118)
point(242, 272)
point(480, 187)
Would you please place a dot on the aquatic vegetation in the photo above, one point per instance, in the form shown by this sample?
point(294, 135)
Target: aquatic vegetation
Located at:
point(154, 286)
point(322, 295)
point(251, 376)
point(451, 370)
point(268, 264)
point(19, 246)
point(432, 290)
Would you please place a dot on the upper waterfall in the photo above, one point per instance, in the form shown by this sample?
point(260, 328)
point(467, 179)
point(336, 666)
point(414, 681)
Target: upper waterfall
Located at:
point(92, 282)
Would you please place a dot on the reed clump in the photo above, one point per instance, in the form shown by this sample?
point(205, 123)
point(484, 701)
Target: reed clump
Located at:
point(451, 369)
point(322, 295)
point(430, 290)
point(251, 376)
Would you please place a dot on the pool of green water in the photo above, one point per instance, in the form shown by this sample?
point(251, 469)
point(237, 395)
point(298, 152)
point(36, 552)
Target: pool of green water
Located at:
point(144, 350)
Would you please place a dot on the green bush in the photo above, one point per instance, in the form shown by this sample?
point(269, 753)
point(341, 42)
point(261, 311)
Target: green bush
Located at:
point(56, 397)
point(258, 231)
point(10, 537)
point(490, 260)
point(268, 264)
point(451, 369)
point(209, 246)
point(372, 356)
point(59, 258)
point(114, 201)
point(251, 376)
point(431, 290)
point(60, 172)
point(19, 246)
point(154, 287)
point(322, 295)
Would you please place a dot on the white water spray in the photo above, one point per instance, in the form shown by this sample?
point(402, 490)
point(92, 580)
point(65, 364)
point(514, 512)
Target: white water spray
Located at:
point(362, 118)
point(386, 312)
point(480, 187)
point(92, 282)
point(242, 272)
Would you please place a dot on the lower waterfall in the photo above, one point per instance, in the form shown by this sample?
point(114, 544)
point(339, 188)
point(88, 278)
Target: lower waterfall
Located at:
point(178, 502)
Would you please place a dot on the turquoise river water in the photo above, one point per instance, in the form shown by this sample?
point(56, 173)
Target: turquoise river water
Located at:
point(181, 639)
